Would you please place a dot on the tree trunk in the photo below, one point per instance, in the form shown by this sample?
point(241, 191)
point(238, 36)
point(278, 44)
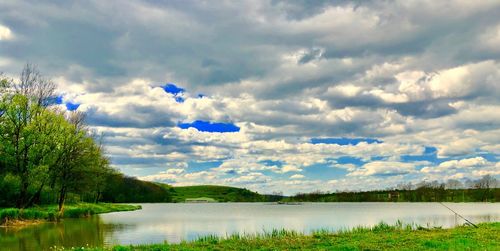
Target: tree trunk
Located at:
point(97, 196)
point(36, 197)
point(23, 193)
point(62, 197)
point(485, 195)
point(24, 180)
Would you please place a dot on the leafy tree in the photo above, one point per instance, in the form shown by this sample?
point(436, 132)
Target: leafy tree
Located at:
point(48, 155)
point(77, 154)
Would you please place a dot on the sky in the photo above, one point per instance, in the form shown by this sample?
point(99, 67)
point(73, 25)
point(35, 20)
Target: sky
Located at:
point(274, 96)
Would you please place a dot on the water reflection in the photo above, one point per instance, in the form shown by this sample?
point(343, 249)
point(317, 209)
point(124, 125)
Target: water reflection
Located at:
point(68, 233)
point(157, 223)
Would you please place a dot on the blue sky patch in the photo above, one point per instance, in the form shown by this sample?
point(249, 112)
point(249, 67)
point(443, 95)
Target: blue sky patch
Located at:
point(378, 158)
point(179, 99)
point(54, 100)
point(58, 100)
point(72, 106)
point(489, 157)
point(172, 88)
point(430, 154)
point(323, 172)
point(430, 150)
point(207, 126)
point(202, 166)
point(344, 141)
point(272, 163)
point(350, 160)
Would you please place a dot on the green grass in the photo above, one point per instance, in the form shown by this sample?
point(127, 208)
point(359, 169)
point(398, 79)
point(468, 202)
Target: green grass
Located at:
point(200, 199)
point(218, 193)
point(379, 237)
point(50, 212)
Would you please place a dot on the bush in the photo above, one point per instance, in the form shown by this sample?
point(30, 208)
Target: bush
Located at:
point(9, 189)
point(9, 214)
point(32, 214)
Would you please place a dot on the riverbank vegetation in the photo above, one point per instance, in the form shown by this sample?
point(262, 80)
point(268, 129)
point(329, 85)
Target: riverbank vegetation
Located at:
point(379, 237)
point(16, 216)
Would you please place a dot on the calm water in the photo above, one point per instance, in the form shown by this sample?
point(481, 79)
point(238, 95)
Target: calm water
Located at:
point(157, 223)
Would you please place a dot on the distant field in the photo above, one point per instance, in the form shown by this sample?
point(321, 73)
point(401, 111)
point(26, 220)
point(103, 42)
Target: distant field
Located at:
point(217, 193)
point(380, 237)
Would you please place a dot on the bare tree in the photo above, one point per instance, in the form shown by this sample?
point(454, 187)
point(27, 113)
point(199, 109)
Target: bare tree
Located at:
point(468, 183)
point(5, 84)
point(486, 183)
point(405, 186)
point(453, 184)
point(277, 193)
point(77, 119)
point(33, 85)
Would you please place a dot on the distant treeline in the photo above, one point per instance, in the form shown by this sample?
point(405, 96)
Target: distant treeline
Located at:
point(220, 194)
point(123, 189)
point(482, 190)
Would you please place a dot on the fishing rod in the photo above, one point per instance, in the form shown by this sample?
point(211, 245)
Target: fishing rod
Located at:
point(468, 221)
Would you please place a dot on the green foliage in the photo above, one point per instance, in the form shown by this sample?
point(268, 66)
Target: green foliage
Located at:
point(86, 209)
point(218, 193)
point(71, 211)
point(9, 188)
point(10, 214)
point(427, 194)
point(120, 188)
point(46, 155)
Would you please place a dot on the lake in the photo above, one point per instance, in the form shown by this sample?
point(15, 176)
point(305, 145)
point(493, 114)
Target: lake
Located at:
point(157, 223)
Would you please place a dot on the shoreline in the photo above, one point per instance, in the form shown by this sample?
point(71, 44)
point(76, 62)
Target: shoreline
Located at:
point(19, 218)
point(17, 224)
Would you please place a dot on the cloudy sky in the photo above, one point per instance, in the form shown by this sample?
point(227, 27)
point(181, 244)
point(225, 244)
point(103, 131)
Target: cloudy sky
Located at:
point(274, 95)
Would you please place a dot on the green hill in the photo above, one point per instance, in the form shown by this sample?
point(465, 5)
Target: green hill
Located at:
point(127, 190)
point(123, 189)
point(218, 193)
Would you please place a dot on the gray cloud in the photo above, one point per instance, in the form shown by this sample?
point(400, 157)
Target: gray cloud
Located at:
point(412, 71)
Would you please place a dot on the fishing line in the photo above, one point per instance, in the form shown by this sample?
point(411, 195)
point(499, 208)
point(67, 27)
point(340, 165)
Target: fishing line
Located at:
point(468, 221)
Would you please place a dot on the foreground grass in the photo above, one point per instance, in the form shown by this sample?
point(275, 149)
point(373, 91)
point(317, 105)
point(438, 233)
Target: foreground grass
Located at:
point(16, 216)
point(379, 237)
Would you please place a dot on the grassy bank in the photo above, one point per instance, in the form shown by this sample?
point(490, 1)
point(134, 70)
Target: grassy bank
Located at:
point(380, 237)
point(16, 216)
